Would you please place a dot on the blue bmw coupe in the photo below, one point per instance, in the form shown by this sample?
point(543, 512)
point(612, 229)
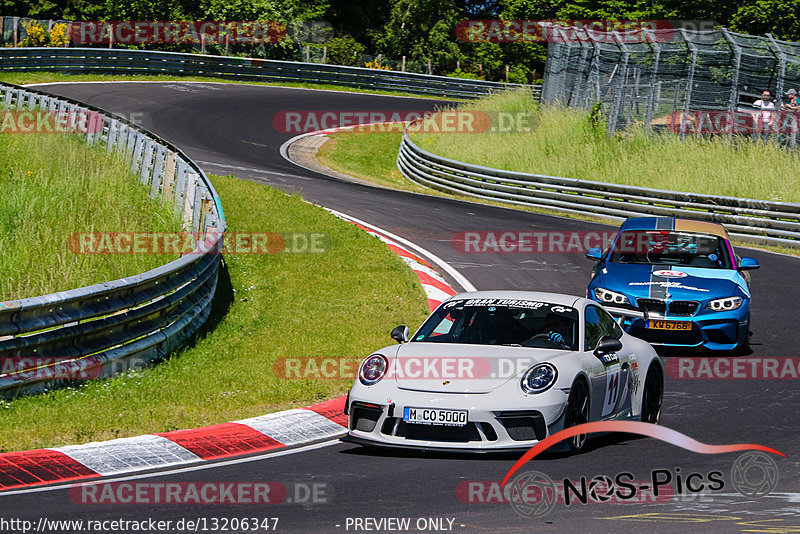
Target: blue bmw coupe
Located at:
point(675, 282)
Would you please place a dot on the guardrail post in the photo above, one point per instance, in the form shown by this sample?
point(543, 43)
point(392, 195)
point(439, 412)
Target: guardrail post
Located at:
point(197, 210)
point(111, 136)
point(147, 162)
point(139, 141)
point(189, 200)
point(181, 181)
point(169, 176)
point(158, 171)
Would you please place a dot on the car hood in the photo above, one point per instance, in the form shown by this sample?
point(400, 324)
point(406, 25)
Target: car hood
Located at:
point(462, 368)
point(684, 283)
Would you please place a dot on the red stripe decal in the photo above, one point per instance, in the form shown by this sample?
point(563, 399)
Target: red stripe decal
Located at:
point(220, 441)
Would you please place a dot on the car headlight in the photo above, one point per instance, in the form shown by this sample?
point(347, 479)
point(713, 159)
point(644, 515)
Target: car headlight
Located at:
point(372, 369)
point(539, 378)
point(726, 304)
point(606, 296)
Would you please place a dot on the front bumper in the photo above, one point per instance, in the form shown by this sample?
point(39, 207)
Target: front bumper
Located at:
point(713, 330)
point(506, 426)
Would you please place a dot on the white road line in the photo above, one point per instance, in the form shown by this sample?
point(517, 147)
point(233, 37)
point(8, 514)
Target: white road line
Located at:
point(457, 276)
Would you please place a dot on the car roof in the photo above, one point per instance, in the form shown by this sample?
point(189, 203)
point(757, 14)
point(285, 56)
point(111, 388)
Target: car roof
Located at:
point(538, 296)
point(676, 224)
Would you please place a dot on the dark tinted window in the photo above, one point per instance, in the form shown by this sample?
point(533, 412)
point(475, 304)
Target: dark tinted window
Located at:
point(502, 322)
point(666, 247)
point(598, 324)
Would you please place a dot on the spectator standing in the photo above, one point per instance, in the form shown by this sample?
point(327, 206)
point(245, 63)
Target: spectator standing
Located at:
point(765, 120)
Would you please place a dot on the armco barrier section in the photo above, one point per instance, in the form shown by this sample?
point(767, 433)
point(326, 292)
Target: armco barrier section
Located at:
point(129, 62)
point(755, 221)
point(95, 331)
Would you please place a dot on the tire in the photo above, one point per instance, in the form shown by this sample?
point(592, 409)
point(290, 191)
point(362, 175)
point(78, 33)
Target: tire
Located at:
point(652, 395)
point(743, 348)
point(577, 413)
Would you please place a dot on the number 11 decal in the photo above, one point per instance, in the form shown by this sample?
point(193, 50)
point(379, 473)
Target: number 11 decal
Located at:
point(612, 389)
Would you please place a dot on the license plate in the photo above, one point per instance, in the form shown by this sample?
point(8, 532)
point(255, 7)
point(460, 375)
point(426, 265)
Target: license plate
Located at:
point(435, 416)
point(656, 324)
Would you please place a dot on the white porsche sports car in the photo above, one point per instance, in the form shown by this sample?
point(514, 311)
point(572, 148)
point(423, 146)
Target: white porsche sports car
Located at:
point(502, 370)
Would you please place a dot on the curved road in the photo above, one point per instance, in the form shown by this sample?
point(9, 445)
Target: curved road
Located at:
point(228, 129)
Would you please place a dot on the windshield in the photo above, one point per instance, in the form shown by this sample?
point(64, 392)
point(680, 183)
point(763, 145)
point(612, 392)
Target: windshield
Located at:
point(523, 323)
point(671, 248)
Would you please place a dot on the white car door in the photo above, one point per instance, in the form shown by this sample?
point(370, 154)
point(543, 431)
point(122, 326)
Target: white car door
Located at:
point(610, 388)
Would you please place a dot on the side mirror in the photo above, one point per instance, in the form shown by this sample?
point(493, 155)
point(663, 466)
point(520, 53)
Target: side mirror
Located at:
point(607, 344)
point(595, 254)
point(400, 333)
point(748, 264)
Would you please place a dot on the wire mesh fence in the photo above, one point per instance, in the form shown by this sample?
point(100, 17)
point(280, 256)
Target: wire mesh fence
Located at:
point(690, 82)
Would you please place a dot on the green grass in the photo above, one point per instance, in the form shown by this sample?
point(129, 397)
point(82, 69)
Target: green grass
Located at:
point(23, 78)
point(369, 156)
point(372, 156)
point(563, 143)
point(341, 303)
point(54, 186)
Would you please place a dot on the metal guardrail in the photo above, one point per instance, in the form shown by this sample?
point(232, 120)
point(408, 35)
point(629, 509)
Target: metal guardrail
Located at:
point(754, 221)
point(96, 331)
point(120, 61)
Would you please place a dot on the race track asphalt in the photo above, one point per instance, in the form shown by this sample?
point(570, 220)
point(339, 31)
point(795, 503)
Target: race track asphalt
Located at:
point(229, 129)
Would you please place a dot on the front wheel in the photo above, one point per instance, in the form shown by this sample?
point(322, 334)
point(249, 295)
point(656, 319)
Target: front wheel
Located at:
point(577, 413)
point(743, 348)
point(653, 395)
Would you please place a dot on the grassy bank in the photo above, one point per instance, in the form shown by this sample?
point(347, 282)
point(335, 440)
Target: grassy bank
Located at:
point(564, 143)
point(341, 303)
point(54, 186)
